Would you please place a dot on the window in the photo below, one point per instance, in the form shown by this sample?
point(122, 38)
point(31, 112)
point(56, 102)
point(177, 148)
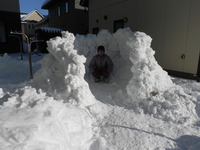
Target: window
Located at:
point(66, 7)
point(29, 26)
point(118, 24)
point(2, 32)
point(58, 10)
point(33, 26)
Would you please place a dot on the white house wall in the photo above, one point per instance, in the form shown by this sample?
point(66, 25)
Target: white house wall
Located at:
point(113, 11)
point(175, 36)
point(173, 25)
point(151, 20)
point(193, 42)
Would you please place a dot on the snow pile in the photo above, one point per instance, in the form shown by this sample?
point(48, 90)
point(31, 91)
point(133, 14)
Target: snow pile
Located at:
point(62, 72)
point(136, 69)
point(146, 75)
point(56, 110)
point(31, 120)
point(142, 84)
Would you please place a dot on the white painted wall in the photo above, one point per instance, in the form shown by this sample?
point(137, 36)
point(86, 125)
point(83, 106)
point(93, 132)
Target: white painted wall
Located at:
point(173, 25)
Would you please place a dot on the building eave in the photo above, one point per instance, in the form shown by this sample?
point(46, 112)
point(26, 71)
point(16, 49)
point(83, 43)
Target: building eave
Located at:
point(29, 14)
point(48, 3)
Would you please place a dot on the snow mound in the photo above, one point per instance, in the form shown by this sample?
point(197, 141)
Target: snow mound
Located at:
point(139, 82)
point(31, 120)
point(56, 111)
point(142, 84)
point(62, 72)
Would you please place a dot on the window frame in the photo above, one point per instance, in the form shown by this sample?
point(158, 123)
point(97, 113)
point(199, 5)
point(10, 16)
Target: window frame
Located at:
point(66, 7)
point(58, 10)
point(29, 26)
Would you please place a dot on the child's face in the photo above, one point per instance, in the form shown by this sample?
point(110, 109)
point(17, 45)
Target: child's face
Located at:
point(100, 52)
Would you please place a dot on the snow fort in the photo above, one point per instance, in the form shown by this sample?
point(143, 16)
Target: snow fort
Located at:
point(137, 81)
point(63, 109)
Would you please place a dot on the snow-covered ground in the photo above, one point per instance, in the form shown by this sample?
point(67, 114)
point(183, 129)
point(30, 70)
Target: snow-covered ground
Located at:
point(61, 108)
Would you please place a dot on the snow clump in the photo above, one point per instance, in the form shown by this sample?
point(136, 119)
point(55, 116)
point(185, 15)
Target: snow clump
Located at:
point(31, 120)
point(62, 72)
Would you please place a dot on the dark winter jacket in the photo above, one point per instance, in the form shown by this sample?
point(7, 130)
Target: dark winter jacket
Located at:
point(102, 63)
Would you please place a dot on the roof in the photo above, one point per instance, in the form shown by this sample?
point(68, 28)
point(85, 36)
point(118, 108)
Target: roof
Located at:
point(48, 3)
point(49, 29)
point(25, 16)
point(45, 19)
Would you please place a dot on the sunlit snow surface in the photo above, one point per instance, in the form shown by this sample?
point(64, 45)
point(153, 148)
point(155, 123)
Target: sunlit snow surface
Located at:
point(141, 108)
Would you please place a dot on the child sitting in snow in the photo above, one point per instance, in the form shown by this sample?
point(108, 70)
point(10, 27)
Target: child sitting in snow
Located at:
point(101, 64)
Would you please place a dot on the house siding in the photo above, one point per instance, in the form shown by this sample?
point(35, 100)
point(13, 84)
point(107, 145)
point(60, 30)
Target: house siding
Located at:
point(29, 23)
point(75, 20)
point(28, 28)
point(11, 21)
point(173, 26)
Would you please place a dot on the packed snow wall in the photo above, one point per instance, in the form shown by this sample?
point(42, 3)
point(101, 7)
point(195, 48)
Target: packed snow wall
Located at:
point(62, 72)
point(135, 68)
point(142, 84)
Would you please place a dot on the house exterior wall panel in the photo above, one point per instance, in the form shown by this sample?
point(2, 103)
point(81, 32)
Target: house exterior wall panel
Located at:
point(75, 20)
point(193, 44)
point(12, 23)
point(97, 15)
point(10, 19)
point(155, 19)
point(95, 4)
point(173, 26)
point(28, 23)
point(175, 37)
